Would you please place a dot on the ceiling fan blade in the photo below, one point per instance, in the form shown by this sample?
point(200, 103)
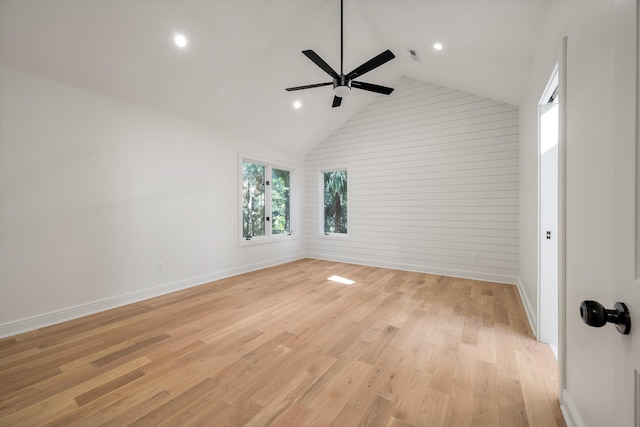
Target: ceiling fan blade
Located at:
point(372, 88)
point(336, 101)
point(320, 62)
point(308, 86)
point(374, 62)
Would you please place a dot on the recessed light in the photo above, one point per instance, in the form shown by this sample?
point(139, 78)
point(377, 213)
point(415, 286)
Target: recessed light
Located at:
point(180, 40)
point(437, 46)
point(297, 105)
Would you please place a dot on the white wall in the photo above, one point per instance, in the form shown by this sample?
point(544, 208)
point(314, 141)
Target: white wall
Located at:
point(528, 193)
point(589, 171)
point(433, 178)
point(94, 192)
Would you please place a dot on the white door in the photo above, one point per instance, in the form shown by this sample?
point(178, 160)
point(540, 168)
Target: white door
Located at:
point(626, 251)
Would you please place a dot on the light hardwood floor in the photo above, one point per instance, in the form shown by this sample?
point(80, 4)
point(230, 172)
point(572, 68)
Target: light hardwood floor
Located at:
point(286, 347)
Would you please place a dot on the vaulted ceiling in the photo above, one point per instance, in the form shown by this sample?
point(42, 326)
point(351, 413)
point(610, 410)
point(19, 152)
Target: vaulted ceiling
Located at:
point(243, 53)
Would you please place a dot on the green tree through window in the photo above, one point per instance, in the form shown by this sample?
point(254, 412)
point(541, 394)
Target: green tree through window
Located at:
point(253, 199)
point(335, 202)
point(280, 201)
point(266, 200)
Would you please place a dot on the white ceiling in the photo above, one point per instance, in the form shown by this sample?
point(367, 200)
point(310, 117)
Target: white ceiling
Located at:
point(243, 53)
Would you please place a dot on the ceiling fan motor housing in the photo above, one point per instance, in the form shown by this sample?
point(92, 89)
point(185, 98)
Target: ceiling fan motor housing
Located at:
point(341, 86)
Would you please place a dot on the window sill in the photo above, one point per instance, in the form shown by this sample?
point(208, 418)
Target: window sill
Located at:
point(262, 240)
point(335, 236)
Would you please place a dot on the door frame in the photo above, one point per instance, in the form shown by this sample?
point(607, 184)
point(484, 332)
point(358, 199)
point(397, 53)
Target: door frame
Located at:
point(552, 84)
point(562, 217)
point(562, 198)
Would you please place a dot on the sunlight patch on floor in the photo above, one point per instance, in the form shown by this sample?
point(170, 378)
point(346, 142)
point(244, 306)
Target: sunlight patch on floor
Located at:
point(341, 279)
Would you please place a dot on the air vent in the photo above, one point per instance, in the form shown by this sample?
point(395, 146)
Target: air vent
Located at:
point(414, 55)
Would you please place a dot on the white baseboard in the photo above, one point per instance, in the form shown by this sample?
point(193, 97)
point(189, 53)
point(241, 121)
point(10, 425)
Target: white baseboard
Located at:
point(36, 322)
point(498, 278)
point(569, 411)
point(528, 309)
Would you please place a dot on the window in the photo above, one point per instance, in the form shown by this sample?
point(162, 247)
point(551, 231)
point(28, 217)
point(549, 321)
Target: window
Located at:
point(253, 209)
point(280, 201)
point(266, 201)
point(334, 192)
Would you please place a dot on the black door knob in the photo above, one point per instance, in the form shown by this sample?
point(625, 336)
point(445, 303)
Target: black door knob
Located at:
point(594, 314)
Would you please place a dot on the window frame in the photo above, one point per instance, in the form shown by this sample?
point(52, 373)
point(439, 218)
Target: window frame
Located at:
point(321, 231)
point(269, 236)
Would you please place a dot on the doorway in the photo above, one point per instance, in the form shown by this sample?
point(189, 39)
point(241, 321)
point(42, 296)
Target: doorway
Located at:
point(548, 216)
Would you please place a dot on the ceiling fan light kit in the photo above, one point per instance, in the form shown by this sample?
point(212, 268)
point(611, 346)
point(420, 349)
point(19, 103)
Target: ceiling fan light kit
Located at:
point(342, 83)
point(342, 90)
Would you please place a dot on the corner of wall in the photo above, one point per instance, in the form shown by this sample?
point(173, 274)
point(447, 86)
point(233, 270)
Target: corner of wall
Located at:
point(528, 308)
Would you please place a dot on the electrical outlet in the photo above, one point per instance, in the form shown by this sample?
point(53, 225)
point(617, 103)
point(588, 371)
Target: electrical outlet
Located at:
point(475, 256)
point(161, 267)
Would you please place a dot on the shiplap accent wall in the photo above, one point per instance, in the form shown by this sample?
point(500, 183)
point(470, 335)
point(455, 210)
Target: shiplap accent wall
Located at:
point(433, 179)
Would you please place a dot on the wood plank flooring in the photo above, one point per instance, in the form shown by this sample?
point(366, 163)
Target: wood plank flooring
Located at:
point(286, 347)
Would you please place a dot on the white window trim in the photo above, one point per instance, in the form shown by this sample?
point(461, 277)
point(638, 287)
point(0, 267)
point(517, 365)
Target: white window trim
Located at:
point(323, 235)
point(268, 237)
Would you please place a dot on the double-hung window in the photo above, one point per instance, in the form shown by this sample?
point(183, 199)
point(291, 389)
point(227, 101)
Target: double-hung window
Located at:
point(266, 202)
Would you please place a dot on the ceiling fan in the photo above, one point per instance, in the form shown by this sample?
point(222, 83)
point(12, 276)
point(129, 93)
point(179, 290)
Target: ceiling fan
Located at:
point(342, 83)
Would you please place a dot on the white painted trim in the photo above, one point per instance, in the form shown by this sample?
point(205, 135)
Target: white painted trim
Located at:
point(528, 308)
point(59, 316)
point(569, 411)
point(472, 275)
point(321, 231)
point(637, 397)
point(269, 165)
point(562, 219)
